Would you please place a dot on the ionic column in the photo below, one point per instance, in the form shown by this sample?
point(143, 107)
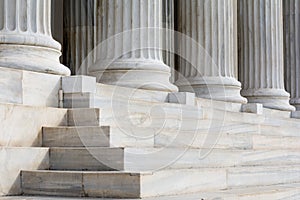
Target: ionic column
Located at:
point(79, 28)
point(292, 49)
point(25, 37)
point(261, 53)
point(129, 45)
point(209, 53)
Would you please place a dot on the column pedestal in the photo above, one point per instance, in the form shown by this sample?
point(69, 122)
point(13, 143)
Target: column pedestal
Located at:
point(261, 53)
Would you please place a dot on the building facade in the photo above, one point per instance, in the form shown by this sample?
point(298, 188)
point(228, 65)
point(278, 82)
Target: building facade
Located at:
point(246, 41)
point(95, 94)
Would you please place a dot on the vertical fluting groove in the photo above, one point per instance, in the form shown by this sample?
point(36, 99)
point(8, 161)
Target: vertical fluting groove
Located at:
point(194, 34)
point(158, 29)
point(76, 30)
point(49, 19)
point(150, 16)
point(18, 15)
point(264, 64)
point(2, 14)
point(11, 15)
point(5, 14)
point(156, 32)
point(118, 26)
point(32, 21)
point(214, 35)
point(188, 33)
point(44, 22)
point(142, 27)
point(82, 31)
point(38, 16)
point(104, 35)
point(280, 10)
point(297, 41)
point(256, 35)
point(95, 30)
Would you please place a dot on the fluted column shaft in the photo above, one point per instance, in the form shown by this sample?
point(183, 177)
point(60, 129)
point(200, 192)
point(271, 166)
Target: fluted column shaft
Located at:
point(209, 52)
point(261, 53)
point(79, 30)
point(129, 45)
point(292, 49)
point(25, 37)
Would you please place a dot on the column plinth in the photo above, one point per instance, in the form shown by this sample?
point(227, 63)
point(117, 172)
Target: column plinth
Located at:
point(209, 58)
point(261, 53)
point(129, 38)
point(26, 42)
point(291, 49)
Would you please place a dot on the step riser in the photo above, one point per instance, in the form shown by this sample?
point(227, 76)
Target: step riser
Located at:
point(103, 159)
point(84, 117)
point(76, 137)
point(81, 184)
point(216, 159)
point(125, 185)
point(251, 177)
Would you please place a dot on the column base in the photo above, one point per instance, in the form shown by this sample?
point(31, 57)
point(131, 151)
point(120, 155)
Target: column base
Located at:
point(32, 58)
point(296, 103)
point(154, 75)
point(215, 88)
point(270, 98)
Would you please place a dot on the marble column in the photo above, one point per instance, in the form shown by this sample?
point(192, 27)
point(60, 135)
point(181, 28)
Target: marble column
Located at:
point(261, 53)
point(292, 49)
point(129, 45)
point(25, 37)
point(79, 28)
point(209, 53)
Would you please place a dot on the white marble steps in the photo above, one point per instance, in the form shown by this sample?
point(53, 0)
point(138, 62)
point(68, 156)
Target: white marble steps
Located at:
point(87, 136)
point(97, 159)
point(229, 135)
point(158, 183)
point(273, 192)
point(95, 117)
point(152, 159)
point(121, 184)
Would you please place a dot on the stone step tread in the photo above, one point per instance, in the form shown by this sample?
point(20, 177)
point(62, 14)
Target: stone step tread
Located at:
point(277, 192)
point(150, 184)
point(274, 192)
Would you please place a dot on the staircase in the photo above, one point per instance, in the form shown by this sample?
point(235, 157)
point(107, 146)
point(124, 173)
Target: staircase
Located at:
point(211, 150)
